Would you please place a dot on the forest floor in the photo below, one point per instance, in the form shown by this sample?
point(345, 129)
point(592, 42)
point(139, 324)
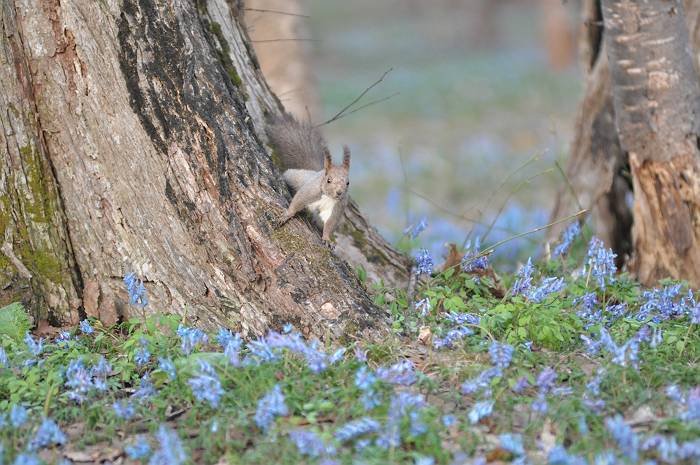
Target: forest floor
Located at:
point(564, 362)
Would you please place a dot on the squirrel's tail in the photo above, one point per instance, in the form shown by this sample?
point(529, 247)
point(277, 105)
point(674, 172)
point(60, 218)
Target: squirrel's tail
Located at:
point(297, 145)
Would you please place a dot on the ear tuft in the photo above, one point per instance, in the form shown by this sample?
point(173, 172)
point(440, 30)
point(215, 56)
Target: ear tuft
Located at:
point(327, 160)
point(346, 157)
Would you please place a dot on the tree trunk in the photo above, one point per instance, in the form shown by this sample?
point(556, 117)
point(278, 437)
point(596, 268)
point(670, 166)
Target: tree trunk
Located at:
point(656, 96)
point(598, 172)
point(132, 141)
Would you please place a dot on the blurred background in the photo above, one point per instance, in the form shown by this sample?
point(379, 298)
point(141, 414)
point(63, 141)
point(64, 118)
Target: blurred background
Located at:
point(483, 106)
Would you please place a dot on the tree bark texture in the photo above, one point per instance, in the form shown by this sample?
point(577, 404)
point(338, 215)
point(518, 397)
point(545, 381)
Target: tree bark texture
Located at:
point(131, 141)
point(656, 96)
point(598, 171)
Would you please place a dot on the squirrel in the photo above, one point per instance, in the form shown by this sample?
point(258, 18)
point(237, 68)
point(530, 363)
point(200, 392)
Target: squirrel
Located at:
point(318, 185)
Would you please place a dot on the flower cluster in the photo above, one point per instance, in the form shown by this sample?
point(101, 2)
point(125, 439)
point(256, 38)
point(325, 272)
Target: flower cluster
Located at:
point(424, 262)
point(414, 230)
point(600, 263)
point(81, 379)
point(206, 386)
point(523, 281)
point(271, 405)
point(472, 260)
point(190, 338)
point(568, 237)
point(136, 290)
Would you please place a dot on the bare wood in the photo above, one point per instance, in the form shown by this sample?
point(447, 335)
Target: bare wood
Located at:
point(656, 95)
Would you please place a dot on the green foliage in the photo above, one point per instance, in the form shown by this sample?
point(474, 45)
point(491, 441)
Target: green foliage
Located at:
point(14, 322)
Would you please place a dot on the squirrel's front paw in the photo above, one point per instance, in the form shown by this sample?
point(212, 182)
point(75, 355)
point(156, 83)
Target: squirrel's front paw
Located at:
point(281, 222)
point(330, 244)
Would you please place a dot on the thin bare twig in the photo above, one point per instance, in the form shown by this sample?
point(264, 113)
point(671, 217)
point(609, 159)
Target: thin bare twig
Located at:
point(265, 41)
point(568, 183)
point(277, 12)
point(357, 99)
point(373, 102)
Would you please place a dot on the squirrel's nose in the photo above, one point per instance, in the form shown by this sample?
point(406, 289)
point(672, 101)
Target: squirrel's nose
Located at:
point(339, 193)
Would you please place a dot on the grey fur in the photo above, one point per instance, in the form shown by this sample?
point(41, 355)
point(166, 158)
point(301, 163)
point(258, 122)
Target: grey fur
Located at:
point(323, 191)
point(299, 144)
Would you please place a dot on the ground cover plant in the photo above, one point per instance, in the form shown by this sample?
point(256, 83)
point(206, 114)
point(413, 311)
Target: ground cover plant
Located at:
point(563, 362)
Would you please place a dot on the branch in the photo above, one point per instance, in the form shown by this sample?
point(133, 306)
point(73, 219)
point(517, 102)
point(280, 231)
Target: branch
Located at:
point(277, 12)
point(357, 99)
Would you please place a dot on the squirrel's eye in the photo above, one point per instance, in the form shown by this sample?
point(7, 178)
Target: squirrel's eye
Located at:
point(329, 180)
point(347, 183)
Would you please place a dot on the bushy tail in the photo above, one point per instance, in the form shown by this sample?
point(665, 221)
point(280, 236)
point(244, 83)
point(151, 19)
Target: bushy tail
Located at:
point(296, 144)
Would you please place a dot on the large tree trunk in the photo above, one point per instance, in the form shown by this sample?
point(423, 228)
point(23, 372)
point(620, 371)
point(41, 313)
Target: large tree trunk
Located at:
point(656, 97)
point(132, 141)
point(598, 169)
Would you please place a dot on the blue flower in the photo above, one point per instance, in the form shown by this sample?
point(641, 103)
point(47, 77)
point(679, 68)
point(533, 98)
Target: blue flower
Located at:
point(600, 262)
point(206, 387)
point(512, 443)
point(424, 262)
point(123, 409)
point(627, 440)
point(401, 404)
point(365, 381)
point(86, 328)
point(523, 282)
point(48, 433)
point(414, 230)
point(26, 459)
point(402, 373)
point(547, 286)
point(452, 337)
point(170, 450)
point(4, 361)
point(480, 410)
point(448, 420)
point(224, 336)
point(18, 416)
point(423, 307)
point(35, 347)
point(569, 235)
point(472, 261)
point(501, 354)
point(540, 404)
point(99, 373)
point(79, 379)
point(142, 355)
point(166, 365)
point(136, 290)
point(139, 450)
point(521, 384)
point(145, 390)
point(356, 428)
point(360, 354)
point(310, 444)
point(546, 379)
point(270, 406)
point(191, 338)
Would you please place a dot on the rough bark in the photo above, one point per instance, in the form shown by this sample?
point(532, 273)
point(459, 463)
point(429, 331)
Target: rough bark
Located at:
point(136, 128)
point(656, 96)
point(598, 169)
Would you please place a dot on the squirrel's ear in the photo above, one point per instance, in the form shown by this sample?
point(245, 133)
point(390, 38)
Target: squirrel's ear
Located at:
point(346, 157)
point(327, 160)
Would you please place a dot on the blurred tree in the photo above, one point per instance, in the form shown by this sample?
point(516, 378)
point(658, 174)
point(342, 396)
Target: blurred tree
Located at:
point(558, 34)
point(280, 36)
point(132, 141)
point(638, 132)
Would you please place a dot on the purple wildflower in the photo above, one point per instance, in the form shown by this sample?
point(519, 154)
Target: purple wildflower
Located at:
point(547, 286)
point(86, 328)
point(600, 262)
point(270, 406)
point(48, 433)
point(521, 384)
point(402, 373)
point(4, 361)
point(523, 282)
point(480, 410)
point(191, 338)
point(18, 416)
point(206, 387)
point(413, 231)
point(472, 261)
point(139, 450)
point(170, 450)
point(626, 439)
point(168, 367)
point(501, 354)
point(424, 262)
point(123, 409)
point(142, 355)
point(35, 347)
point(356, 428)
point(310, 444)
point(571, 233)
point(512, 443)
point(136, 290)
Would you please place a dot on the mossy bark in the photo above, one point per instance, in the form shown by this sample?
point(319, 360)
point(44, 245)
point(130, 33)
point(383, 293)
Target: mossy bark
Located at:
point(149, 146)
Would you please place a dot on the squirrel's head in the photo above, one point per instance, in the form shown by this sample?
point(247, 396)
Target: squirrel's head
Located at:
point(335, 182)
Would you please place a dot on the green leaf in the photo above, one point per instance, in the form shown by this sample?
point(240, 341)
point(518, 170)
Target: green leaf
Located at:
point(14, 321)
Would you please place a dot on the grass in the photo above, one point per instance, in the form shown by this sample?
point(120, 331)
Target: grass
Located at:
point(439, 426)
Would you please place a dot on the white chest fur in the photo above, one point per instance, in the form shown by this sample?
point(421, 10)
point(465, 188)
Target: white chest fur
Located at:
point(323, 207)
